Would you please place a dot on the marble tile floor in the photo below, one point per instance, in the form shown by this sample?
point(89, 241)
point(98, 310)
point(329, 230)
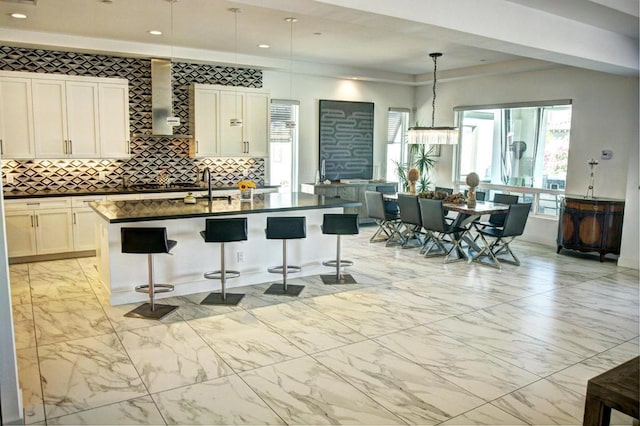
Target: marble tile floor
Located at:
point(414, 342)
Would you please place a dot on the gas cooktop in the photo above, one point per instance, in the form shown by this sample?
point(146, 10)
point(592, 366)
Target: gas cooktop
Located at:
point(156, 186)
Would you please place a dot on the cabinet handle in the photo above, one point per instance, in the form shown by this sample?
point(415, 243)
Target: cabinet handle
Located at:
point(197, 146)
point(1, 147)
point(248, 149)
point(64, 146)
point(33, 204)
point(74, 218)
point(31, 217)
point(37, 223)
point(70, 147)
point(128, 147)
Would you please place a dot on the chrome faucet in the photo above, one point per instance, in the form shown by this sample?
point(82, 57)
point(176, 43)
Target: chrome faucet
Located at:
point(206, 174)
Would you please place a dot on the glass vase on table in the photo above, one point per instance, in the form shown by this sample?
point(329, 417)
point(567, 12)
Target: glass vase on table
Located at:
point(246, 195)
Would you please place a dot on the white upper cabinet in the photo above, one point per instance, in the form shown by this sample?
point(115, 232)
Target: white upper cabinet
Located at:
point(16, 118)
point(114, 120)
point(204, 113)
point(66, 116)
point(82, 119)
point(213, 107)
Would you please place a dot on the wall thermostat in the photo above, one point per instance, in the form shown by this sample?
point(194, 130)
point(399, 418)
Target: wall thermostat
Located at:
point(606, 154)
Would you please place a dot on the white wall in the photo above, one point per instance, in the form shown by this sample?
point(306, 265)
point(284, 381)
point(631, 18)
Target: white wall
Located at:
point(605, 115)
point(310, 89)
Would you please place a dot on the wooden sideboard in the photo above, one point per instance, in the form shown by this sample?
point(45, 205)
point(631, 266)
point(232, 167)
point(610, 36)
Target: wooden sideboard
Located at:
point(591, 224)
point(347, 191)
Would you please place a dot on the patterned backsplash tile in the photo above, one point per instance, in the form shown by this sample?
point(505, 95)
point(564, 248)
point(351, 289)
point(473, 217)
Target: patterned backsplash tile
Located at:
point(150, 156)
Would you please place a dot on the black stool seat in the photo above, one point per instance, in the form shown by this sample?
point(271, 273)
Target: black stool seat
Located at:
point(148, 241)
point(223, 231)
point(285, 228)
point(339, 224)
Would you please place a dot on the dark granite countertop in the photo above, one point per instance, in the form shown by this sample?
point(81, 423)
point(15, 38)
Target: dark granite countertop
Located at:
point(8, 195)
point(144, 210)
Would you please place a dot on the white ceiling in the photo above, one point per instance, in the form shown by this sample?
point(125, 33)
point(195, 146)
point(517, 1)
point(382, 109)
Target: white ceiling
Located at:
point(386, 40)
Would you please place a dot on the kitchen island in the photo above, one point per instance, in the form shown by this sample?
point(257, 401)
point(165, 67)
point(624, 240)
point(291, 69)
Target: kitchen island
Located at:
point(184, 268)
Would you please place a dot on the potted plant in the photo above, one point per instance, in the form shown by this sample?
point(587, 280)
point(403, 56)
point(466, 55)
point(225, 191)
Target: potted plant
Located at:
point(423, 159)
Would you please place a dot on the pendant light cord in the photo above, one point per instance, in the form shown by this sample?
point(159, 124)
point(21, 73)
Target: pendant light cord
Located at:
point(433, 101)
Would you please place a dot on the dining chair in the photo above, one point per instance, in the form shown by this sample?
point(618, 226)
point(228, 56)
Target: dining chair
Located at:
point(497, 220)
point(410, 219)
point(389, 206)
point(449, 191)
point(514, 225)
point(388, 223)
point(437, 229)
point(480, 195)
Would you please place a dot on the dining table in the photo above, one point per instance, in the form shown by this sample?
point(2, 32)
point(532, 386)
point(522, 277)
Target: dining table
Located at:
point(466, 215)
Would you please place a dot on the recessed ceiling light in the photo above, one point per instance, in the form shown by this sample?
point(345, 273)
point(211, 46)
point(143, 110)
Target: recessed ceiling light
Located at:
point(264, 46)
point(19, 15)
point(155, 32)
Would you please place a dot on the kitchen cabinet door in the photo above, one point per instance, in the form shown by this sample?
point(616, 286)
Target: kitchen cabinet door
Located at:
point(82, 119)
point(84, 223)
point(205, 121)
point(114, 120)
point(21, 233)
point(53, 231)
point(50, 118)
point(16, 118)
point(257, 124)
point(232, 139)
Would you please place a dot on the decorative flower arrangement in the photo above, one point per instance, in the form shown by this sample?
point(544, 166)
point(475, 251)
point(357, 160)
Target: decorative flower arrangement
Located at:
point(243, 185)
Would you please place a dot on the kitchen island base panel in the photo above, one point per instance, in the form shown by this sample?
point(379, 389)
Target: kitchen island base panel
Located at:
point(184, 268)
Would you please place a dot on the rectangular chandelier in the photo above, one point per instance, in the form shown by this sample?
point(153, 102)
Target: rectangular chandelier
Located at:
point(433, 135)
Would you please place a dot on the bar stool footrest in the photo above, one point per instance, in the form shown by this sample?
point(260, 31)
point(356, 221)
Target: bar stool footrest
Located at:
point(144, 311)
point(231, 299)
point(278, 289)
point(157, 288)
point(280, 269)
point(341, 279)
point(217, 275)
point(333, 263)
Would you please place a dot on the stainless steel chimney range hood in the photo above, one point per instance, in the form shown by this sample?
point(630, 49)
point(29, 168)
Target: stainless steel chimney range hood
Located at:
point(161, 101)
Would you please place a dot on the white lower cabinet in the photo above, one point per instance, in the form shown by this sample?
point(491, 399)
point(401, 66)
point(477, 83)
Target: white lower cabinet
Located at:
point(84, 222)
point(21, 234)
point(38, 226)
point(50, 225)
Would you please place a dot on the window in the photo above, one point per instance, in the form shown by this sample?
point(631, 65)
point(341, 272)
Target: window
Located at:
point(525, 145)
point(397, 126)
point(283, 145)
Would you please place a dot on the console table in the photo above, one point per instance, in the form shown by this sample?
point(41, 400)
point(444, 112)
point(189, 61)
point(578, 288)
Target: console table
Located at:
point(347, 191)
point(617, 389)
point(591, 224)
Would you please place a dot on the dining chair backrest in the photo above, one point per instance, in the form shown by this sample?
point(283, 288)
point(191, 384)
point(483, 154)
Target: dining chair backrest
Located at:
point(375, 205)
point(449, 191)
point(432, 215)
point(390, 207)
point(516, 220)
point(498, 219)
point(409, 209)
point(480, 195)
point(387, 189)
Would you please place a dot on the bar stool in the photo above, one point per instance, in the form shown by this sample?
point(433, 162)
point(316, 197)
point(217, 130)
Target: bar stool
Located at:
point(339, 225)
point(148, 241)
point(223, 231)
point(285, 228)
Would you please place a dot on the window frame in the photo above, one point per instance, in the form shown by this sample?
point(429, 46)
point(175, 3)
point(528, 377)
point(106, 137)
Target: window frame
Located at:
point(534, 195)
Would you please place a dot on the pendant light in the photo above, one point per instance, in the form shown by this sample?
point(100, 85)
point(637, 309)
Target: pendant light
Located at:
point(433, 135)
point(235, 122)
point(290, 124)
